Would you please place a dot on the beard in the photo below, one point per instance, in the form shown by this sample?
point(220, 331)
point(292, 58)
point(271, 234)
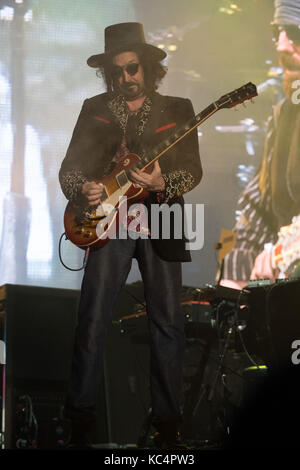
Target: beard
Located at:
point(131, 91)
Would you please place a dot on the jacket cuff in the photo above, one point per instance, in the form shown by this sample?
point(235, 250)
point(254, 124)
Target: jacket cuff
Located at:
point(71, 184)
point(178, 182)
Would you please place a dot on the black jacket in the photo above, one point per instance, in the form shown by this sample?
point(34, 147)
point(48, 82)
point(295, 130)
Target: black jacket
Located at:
point(97, 137)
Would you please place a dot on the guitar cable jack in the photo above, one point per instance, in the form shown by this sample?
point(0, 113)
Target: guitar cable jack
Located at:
point(85, 259)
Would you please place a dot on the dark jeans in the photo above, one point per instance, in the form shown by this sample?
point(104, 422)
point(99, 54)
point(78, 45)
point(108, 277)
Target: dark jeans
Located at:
point(105, 274)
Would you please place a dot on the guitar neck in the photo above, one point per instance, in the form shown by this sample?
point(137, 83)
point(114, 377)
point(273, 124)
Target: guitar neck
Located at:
point(189, 126)
point(233, 98)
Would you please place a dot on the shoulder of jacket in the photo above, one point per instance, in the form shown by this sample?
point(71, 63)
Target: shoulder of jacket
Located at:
point(175, 103)
point(175, 99)
point(97, 99)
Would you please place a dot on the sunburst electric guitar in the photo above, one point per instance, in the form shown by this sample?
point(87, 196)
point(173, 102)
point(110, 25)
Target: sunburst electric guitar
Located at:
point(92, 228)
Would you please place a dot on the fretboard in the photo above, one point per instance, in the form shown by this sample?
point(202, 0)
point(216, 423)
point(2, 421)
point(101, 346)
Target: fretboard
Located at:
point(166, 144)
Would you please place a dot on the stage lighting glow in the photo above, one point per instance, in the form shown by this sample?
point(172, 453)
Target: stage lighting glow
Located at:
point(28, 16)
point(228, 11)
point(233, 6)
point(229, 8)
point(7, 14)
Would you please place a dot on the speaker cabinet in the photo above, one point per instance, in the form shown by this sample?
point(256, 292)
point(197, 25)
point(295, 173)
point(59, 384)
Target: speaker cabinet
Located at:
point(37, 329)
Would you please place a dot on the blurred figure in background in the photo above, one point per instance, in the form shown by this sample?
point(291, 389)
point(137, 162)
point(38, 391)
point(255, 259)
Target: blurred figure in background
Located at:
point(272, 198)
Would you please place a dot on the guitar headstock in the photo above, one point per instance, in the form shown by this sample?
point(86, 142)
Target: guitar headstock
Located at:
point(235, 97)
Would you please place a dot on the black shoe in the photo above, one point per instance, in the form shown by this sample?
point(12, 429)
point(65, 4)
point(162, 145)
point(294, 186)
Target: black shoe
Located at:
point(168, 436)
point(81, 425)
point(170, 442)
point(79, 437)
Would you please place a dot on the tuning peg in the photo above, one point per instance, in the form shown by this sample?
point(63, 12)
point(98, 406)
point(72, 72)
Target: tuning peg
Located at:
point(236, 108)
point(253, 102)
point(244, 104)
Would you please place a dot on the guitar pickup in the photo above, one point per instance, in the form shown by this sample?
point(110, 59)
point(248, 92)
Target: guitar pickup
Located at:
point(122, 179)
point(104, 194)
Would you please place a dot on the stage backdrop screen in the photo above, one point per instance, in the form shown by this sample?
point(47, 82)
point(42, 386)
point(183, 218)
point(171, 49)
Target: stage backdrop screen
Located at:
point(212, 48)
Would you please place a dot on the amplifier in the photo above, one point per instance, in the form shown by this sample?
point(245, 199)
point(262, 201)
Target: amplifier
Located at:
point(199, 322)
point(199, 319)
point(37, 326)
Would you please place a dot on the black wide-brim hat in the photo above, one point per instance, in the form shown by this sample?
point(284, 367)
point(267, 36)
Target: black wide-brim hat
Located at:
point(122, 37)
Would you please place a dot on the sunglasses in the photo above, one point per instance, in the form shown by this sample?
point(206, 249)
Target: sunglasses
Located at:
point(292, 32)
point(131, 69)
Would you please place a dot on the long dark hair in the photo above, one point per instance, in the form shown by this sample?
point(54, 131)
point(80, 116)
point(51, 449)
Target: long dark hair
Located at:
point(154, 71)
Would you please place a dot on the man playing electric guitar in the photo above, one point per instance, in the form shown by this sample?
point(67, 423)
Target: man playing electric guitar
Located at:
point(131, 117)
